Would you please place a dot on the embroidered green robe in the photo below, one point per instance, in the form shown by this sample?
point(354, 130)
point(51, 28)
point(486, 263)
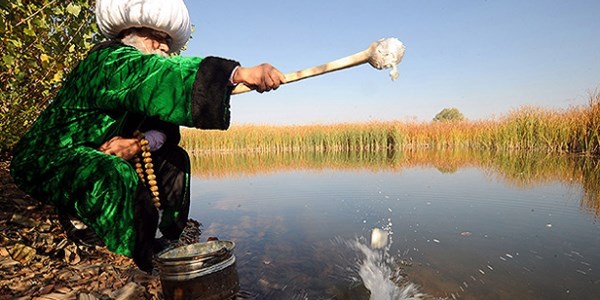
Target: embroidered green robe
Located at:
point(57, 160)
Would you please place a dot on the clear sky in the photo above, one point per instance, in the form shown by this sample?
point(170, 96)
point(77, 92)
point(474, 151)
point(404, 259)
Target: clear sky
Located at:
point(485, 58)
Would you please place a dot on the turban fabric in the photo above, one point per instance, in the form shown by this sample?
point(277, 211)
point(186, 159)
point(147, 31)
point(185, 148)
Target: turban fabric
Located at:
point(169, 16)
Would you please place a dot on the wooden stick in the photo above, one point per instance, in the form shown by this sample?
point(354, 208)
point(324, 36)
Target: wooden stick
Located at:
point(342, 63)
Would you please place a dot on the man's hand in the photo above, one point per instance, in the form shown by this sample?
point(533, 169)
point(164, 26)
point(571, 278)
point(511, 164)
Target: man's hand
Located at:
point(121, 147)
point(261, 78)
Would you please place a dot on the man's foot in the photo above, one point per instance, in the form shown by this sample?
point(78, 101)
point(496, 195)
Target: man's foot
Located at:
point(78, 232)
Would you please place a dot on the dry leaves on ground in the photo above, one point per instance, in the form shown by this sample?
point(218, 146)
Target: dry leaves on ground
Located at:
point(37, 261)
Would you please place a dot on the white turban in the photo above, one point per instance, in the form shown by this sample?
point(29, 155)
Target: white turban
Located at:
point(169, 16)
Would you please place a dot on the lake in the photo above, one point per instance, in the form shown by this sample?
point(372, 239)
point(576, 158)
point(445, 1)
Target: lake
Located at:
point(463, 225)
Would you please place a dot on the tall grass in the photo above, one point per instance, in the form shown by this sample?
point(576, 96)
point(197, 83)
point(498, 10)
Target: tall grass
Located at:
point(574, 130)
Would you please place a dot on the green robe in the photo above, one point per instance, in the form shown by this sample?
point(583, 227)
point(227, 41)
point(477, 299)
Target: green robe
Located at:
point(57, 160)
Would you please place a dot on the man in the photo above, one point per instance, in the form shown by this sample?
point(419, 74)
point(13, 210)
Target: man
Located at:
point(79, 154)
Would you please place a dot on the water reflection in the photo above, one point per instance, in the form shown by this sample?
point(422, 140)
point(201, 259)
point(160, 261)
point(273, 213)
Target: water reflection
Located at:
point(517, 168)
point(470, 225)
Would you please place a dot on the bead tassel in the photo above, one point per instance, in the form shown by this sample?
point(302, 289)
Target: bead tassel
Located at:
point(147, 167)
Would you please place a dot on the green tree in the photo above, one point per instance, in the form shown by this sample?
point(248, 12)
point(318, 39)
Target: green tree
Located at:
point(41, 41)
point(449, 115)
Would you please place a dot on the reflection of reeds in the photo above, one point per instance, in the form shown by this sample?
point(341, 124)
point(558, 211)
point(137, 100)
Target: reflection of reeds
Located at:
point(590, 179)
point(519, 168)
point(230, 163)
point(575, 130)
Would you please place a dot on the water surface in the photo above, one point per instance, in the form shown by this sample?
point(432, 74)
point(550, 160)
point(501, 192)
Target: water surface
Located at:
point(462, 225)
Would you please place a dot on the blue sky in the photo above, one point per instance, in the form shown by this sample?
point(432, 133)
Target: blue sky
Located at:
point(485, 58)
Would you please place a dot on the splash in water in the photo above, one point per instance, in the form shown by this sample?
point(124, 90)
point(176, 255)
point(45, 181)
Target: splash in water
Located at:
point(380, 272)
point(375, 271)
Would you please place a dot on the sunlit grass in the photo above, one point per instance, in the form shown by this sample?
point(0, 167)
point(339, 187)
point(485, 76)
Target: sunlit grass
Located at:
point(573, 130)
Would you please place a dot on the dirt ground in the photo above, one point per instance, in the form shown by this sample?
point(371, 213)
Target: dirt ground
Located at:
point(37, 261)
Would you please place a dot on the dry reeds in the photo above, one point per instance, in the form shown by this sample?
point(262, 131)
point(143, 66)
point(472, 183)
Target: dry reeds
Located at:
point(574, 130)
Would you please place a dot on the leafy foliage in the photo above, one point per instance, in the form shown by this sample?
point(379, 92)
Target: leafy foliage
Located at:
point(449, 114)
point(41, 41)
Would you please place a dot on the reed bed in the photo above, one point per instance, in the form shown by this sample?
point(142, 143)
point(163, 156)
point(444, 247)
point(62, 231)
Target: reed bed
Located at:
point(573, 130)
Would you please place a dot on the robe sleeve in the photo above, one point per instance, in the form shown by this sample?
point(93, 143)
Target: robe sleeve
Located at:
point(188, 91)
